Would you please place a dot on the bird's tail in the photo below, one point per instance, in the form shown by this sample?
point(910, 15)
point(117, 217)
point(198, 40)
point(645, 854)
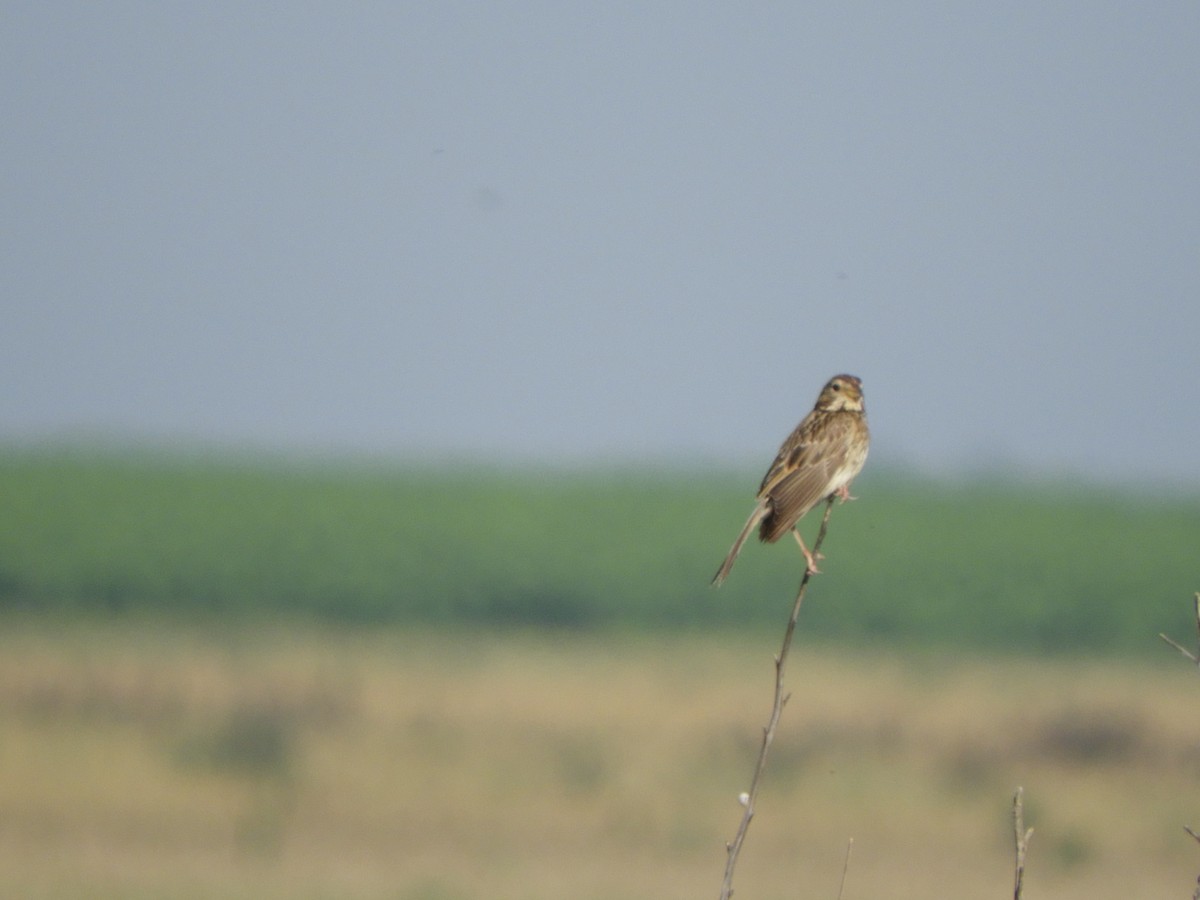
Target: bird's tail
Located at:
point(757, 516)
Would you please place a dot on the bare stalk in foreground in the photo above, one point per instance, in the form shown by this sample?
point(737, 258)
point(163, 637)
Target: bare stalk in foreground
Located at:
point(845, 869)
point(1022, 835)
point(1196, 893)
point(734, 847)
point(1195, 658)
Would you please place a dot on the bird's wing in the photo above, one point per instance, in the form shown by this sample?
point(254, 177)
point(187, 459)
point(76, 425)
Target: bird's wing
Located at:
point(790, 452)
point(796, 451)
point(801, 475)
point(799, 490)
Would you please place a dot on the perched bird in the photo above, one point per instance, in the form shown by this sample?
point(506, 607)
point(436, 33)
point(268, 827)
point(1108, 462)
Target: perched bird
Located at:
point(818, 460)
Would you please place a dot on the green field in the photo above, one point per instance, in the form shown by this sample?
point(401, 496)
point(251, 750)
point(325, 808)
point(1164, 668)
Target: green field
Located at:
point(256, 677)
point(990, 564)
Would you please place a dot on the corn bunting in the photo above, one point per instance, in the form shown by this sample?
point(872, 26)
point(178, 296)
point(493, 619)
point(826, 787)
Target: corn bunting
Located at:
point(818, 460)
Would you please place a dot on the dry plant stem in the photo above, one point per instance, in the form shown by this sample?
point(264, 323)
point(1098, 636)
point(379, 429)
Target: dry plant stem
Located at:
point(734, 847)
point(1196, 893)
point(845, 868)
point(1022, 835)
point(1194, 657)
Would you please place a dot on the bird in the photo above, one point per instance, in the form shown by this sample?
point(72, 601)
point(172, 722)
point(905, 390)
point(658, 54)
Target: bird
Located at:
point(819, 460)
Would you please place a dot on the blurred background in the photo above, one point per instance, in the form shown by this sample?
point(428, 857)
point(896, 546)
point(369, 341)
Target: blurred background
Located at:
point(383, 384)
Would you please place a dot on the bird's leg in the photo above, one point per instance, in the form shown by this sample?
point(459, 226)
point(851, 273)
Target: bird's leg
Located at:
point(809, 557)
point(843, 493)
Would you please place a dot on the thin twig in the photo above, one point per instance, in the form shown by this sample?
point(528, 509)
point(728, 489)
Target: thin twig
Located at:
point(1022, 835)
point(734, 847)
point(1188, 653)
point(1196, 610)
point(1196, 894)
point(845, 868)
point(1194, 657)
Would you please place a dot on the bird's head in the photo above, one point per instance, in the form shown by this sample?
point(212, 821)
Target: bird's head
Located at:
point(842, 392)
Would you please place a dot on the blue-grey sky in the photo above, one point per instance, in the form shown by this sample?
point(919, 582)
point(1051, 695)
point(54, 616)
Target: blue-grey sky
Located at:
point(557, 231)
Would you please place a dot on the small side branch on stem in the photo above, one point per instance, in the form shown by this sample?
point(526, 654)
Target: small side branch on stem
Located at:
point(1194, 657)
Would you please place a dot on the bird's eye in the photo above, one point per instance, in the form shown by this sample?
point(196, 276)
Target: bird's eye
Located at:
point(837, 385)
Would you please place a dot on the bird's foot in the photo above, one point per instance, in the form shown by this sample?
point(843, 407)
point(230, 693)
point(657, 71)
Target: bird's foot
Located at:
point(811, 561)
point(843, 493)
point(810, 558)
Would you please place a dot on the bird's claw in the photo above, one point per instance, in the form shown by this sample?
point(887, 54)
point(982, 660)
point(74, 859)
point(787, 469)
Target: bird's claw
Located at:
point(811, 563)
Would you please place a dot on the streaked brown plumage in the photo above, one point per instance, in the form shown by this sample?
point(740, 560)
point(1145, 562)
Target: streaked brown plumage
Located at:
point(819, 459)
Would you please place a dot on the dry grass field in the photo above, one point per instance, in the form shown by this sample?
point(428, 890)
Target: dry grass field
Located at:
point(143, 762)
